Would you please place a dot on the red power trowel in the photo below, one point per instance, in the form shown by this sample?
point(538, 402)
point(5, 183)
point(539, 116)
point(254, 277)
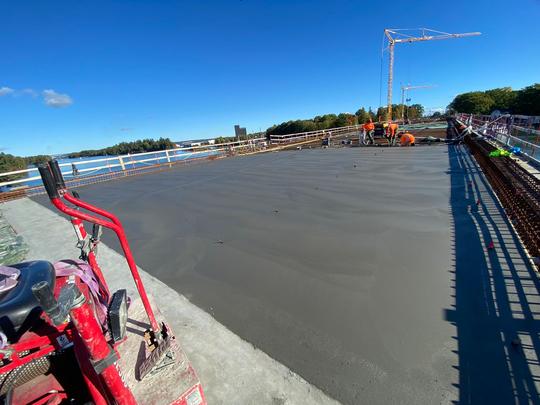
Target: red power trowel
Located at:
point(64, 339)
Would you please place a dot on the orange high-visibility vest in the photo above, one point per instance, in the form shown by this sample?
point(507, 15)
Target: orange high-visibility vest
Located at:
point(407, 139)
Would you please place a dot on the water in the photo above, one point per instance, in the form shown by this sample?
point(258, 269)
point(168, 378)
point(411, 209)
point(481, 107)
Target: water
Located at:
point(87, 166)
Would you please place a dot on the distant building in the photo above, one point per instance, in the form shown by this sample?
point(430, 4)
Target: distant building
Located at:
point(239, 132)
point(195, 142)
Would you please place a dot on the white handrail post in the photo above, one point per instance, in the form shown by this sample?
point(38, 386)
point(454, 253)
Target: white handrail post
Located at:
point(122, 163)
point(168, 157)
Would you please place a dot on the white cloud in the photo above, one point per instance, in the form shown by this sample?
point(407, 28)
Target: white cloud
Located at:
point(29, 92)
point(4, 91)
point(56, 100)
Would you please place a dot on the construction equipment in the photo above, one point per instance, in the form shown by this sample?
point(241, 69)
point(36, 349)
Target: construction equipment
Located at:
point(397, 36)
point(404, 90)
point(64, 338)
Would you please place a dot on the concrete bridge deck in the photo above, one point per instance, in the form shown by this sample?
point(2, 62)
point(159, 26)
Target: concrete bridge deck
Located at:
point(364, 270)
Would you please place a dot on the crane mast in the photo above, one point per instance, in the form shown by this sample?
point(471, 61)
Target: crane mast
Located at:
point(396, 36)
point(404, 90)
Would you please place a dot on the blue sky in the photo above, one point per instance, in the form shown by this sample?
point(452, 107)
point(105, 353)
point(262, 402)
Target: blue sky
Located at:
point(88, 74)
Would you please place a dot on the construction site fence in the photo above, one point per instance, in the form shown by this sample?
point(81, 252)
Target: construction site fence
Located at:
point(508, 131)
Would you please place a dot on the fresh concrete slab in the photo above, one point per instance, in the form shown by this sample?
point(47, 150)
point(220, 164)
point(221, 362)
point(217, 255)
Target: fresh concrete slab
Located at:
point(335, 262)
point(364, 270)
point(231, 370)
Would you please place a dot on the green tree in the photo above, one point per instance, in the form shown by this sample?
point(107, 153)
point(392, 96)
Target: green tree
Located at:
point(37, 160)
point(328, 121)
point(122, 148)
point(527, 101)
point(476, 102)
point(10, 163)
point(398, 111)
point(325, 121)
point(381, 114)
point(415, 111)
point(345, 119)
point(362, 115)
point(503, 98)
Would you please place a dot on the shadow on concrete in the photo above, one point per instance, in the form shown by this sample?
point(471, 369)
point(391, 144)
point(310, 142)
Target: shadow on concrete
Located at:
point(497, 305)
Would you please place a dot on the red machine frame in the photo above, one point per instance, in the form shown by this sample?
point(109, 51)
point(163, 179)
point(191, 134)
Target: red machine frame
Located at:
point(95, 355)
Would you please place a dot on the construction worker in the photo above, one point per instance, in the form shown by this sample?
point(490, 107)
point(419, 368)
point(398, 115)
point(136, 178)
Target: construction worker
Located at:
point(369, 128)
point(407, 139)
point(391, 132)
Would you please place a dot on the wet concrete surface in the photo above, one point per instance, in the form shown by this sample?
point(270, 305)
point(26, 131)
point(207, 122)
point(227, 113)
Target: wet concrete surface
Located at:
point(335, 262)
point(231, 370)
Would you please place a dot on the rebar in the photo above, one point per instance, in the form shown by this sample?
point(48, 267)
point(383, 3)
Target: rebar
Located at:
point(517, 189)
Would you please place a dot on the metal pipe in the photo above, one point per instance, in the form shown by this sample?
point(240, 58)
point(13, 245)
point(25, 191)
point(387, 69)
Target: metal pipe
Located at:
point(100, 352)
point(390, 80)
point(118, 229)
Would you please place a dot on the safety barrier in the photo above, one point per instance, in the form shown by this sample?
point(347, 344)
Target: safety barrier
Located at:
point(312, 135)
point(91, 171)
point(84, 172)
point(526, 121)
point(504, 130)
point(121, 162)
point(518, 191)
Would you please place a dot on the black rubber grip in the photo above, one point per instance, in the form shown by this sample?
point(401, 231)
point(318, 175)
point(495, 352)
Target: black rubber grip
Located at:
point(48, 181)
point(43, 293)
point(57, 174)
point(96, 229)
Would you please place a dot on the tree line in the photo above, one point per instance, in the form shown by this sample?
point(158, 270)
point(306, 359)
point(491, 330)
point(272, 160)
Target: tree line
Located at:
point(123, 148)
point(525, 101)
point(227, 139)
point(10, 163)
point(345, 119)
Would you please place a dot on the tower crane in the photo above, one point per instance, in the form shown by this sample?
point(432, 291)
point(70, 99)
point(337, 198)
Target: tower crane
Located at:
point(397, 36)
point(404, 90)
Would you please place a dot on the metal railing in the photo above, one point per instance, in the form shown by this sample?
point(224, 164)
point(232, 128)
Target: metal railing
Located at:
point(517, 189)
point(91, 171)
point(526, 121)
point(130, 161)
point(312, 135)
point(504, 130)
